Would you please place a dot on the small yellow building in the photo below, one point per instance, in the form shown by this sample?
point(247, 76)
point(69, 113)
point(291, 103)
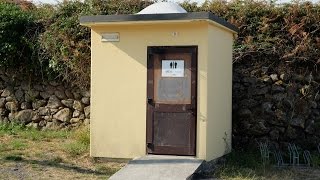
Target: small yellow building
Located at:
point(161, 84)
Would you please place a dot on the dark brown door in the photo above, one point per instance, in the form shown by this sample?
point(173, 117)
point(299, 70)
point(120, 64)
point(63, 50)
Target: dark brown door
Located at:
point(171, 100)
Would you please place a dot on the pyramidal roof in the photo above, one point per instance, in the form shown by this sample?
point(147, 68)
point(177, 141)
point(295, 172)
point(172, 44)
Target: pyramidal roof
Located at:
point(163, 8)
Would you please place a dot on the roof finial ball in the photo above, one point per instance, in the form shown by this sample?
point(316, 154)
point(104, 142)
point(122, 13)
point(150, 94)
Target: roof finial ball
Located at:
point(163, 8)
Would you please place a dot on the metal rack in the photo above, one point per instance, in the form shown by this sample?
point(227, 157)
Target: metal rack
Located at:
point(293, 155)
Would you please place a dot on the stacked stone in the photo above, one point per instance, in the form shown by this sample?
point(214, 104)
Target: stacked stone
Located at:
point(275, 104)
point(44, 105)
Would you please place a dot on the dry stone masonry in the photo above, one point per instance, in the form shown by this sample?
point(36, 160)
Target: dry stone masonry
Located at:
point(275, 102)
point(271, 103)
point(43, 105)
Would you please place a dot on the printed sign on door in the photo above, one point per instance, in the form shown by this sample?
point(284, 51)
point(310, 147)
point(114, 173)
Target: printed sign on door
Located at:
point(172, 68)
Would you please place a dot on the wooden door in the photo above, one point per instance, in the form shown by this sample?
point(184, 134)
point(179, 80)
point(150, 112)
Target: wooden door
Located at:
point(171, 100)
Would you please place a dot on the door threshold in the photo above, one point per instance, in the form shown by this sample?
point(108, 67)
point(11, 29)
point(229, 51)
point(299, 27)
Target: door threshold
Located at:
point(165, 156)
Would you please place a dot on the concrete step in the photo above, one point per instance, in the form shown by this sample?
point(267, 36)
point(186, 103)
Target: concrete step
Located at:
point(158, 167)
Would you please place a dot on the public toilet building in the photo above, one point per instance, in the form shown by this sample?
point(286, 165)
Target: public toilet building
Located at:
point(161, 84)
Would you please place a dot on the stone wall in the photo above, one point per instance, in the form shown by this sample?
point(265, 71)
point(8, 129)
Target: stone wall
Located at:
point(42, 104)
point(277, 102)
point(271, 101)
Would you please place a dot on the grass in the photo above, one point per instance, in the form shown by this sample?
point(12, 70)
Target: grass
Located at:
point(2, 147)
point(65, 155)
point(247, 165)
point(18, 144)
point(76, 148)
point(31, 133)
point(240, 165)
point(49, 154)
point(81, 143)
point(82, 136)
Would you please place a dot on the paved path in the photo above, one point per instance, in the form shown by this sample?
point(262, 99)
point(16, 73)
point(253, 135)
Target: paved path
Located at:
point(158, 167)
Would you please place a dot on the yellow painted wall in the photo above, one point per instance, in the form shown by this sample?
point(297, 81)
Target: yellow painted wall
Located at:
point(118, 85)
point(219, 125)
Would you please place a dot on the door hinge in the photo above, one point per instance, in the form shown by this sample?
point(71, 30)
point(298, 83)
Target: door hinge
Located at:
point(150, 145)
point(150, 101)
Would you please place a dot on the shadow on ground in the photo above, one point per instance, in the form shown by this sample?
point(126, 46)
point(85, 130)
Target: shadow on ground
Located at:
point(59, 164)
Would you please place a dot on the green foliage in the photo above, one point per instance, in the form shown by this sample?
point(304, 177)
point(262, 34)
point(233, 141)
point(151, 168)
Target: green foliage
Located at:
point(315, 156)
point(82, 135)
point(11, 128)
point(79, 139)
point(50, 40)
point(246, 164)
point(286, 33)
point(31, 133)
point(191, 6)
point(240, 165)
point(36, 135)
point(110, 7)
point(76, 148)
point(289, 32)
point(17, 144)
point(81, 144)
point(244, 158)
point(17, 29)
point(67, 44)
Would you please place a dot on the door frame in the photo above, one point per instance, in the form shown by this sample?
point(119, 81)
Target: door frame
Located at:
point(194, 91)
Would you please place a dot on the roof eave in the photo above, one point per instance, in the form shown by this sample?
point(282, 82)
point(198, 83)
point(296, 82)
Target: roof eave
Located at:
point(99, 20)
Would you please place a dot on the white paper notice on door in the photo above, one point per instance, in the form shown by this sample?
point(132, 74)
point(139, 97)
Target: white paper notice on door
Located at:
point(172, 68)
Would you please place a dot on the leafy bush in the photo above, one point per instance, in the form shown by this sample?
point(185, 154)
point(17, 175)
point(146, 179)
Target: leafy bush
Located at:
point(267, 31)
point(109, 7)
point(67, 44)
point(17, 29)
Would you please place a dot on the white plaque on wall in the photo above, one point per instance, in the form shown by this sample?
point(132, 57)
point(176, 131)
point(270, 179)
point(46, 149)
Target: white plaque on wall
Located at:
point(172, 68)
point(110, 37)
